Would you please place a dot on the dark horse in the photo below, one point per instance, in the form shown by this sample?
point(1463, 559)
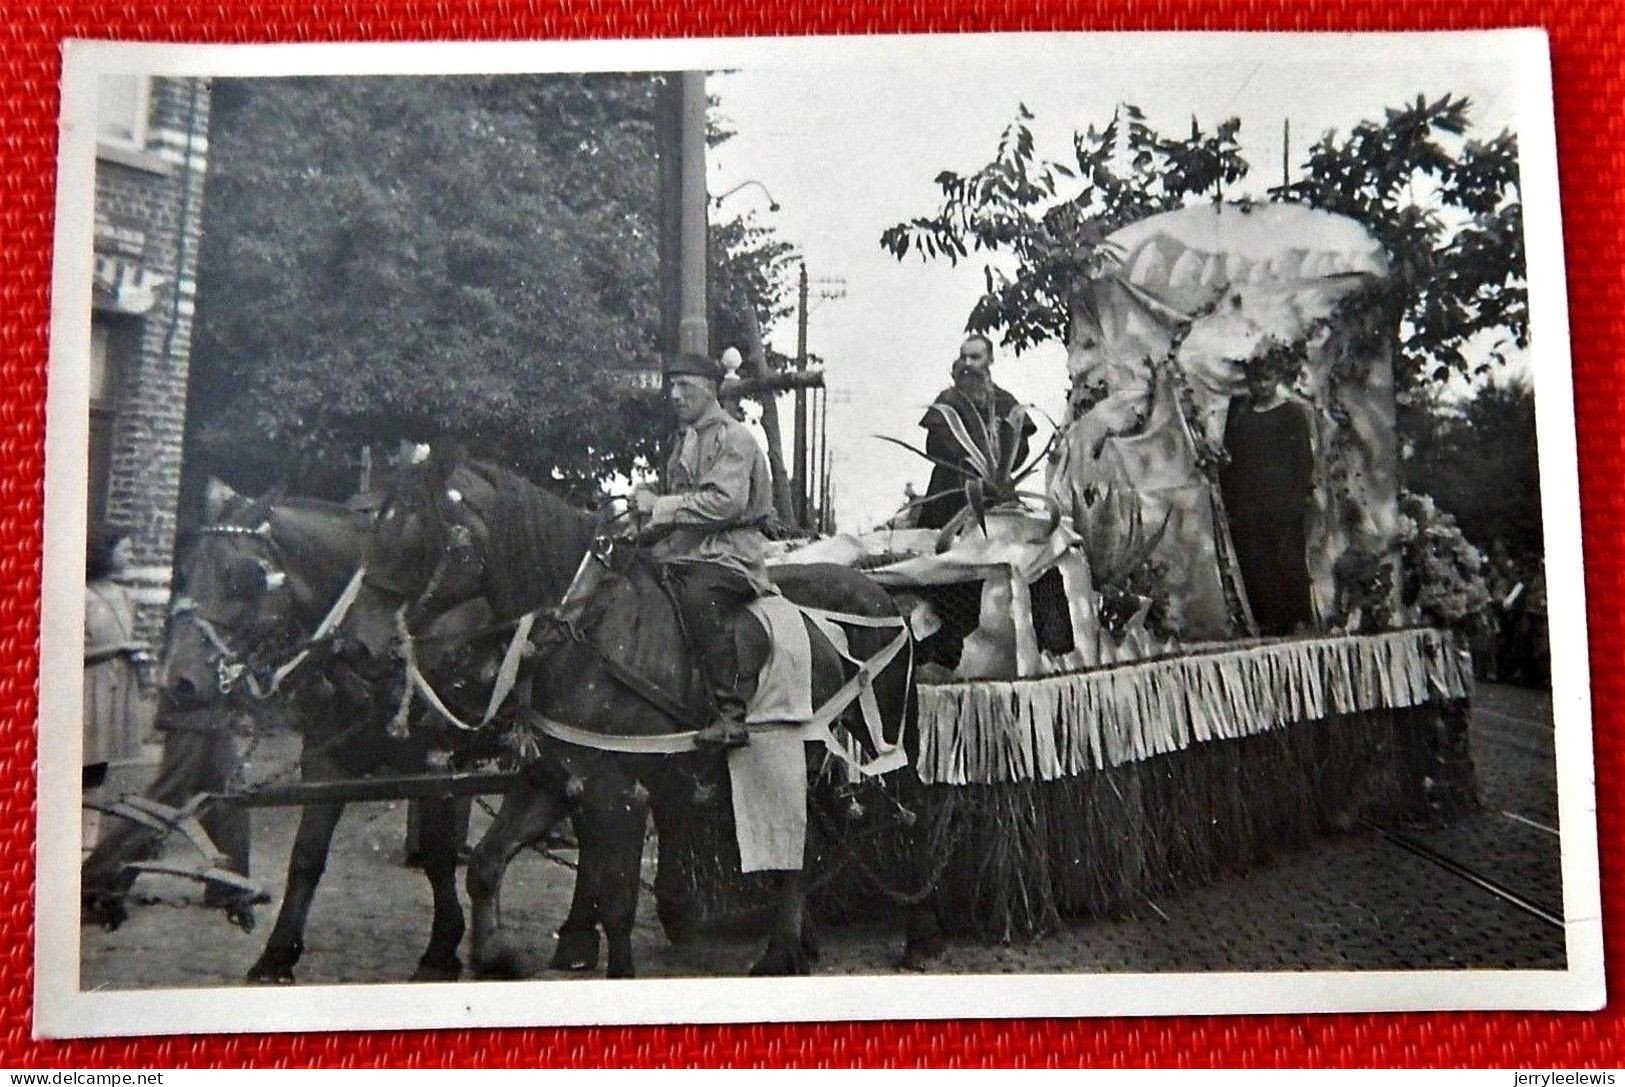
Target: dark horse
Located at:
point(258, 582)
point(611, 662)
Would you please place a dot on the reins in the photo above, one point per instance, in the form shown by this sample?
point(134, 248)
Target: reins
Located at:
point(418, 685)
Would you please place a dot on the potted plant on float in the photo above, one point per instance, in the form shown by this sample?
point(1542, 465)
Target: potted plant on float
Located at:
point(987, 468)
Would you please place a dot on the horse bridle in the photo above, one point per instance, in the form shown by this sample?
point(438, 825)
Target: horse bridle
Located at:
point(460, 540)
point(556, 627)
point(231, 665)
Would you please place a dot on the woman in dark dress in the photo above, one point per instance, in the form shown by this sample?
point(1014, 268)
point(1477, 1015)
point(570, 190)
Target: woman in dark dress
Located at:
point(1269, 437)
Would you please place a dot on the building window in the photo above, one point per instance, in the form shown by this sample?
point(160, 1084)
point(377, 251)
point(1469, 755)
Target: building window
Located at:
point(121, 110)
point(107, 343)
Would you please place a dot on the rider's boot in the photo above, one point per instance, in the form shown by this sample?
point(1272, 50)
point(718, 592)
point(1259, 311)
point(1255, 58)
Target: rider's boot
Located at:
point(724, 733)
point(708, 598)
point(728, 730)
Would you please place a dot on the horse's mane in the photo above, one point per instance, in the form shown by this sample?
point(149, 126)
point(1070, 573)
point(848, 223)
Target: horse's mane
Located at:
point(325, 539)
point(534, 542)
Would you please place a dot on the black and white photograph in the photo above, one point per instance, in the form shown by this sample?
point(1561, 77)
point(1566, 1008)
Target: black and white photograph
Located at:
point(962, 525)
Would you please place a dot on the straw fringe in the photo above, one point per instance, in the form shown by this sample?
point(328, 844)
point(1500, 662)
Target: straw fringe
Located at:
point(992, 732)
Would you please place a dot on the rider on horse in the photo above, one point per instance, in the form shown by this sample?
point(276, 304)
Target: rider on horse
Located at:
point(707, 532)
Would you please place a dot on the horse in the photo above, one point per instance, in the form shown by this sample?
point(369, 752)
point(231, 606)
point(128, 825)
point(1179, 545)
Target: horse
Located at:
point(260, 579)
point(454, 528)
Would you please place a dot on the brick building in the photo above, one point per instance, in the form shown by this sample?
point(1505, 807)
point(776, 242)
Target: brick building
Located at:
point(152, 149)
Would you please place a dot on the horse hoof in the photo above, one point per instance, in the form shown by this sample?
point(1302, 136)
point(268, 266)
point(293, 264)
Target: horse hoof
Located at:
point(777, 962)
point(241, 916)
point(259, 975)
point(275, 969)
point(427, 971)
point(620, 970)
point(917, 958)
point(576, 952)
point(108, 913)
point(503, 966)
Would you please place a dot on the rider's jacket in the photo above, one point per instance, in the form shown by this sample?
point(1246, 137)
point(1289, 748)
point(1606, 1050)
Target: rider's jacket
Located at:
point(719, 493)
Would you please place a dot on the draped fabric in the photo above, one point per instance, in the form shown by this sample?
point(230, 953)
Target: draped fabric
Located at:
point(947, 485)
point(1156, 354)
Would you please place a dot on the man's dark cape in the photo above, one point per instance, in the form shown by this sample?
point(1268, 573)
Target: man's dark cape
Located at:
point(941, 443)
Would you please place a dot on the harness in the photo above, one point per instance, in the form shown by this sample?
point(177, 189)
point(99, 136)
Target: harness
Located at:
point(858, 688)
point(461, 538)
point(231, 669)
point(816, 729)
point(418, 685)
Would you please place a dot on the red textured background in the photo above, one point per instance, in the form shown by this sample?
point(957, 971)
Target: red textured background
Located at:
point(1586, 47)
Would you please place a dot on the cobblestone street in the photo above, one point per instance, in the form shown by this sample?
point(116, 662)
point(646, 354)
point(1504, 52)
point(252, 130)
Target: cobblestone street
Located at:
point(1365, 902)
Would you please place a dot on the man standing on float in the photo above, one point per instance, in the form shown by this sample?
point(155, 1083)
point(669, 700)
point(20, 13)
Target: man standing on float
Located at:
point(975, 399)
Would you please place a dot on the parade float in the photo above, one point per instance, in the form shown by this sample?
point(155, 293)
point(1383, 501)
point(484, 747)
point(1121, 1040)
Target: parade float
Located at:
point(1099, 719)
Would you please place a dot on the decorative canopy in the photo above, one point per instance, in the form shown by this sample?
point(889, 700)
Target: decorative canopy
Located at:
point(1160, 348)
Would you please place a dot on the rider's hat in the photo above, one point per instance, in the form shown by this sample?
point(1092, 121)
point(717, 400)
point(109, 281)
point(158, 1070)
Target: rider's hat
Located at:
point(695, 365)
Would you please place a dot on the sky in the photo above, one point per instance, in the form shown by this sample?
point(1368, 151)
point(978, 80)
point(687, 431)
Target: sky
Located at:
point(849, 149)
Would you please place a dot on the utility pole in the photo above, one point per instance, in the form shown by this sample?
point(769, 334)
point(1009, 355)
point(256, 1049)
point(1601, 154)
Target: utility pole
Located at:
point(1286, 143)
point(814, 464)
point(823, 453)
point(799, 470)
point(693, 336)
point(806, 468)
point(826, 512)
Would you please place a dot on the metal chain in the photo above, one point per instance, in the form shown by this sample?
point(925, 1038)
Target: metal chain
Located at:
point(944, 854)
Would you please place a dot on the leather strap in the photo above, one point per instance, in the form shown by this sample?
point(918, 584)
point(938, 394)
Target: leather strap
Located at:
point(815, 729)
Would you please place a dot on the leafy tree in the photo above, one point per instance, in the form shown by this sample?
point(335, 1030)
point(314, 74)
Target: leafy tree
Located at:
point(1053, 217)
point(475, 257)
point(1478, 459)
point(1446, 208)
point(751, 280)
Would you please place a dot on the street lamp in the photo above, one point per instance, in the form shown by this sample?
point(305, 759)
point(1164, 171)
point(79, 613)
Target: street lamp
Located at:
point(772, 204)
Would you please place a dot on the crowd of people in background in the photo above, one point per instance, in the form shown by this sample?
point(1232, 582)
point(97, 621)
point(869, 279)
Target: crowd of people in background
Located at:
point(1510, 644)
